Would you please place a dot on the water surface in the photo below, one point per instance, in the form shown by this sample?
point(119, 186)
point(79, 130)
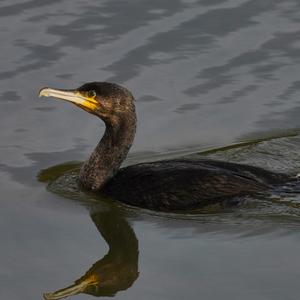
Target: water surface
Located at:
point(205, 74)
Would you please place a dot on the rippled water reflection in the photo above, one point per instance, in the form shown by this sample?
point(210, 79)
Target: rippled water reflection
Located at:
point(205, 74)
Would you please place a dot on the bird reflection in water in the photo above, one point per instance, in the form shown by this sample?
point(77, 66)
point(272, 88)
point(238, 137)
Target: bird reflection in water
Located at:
point(118, 269)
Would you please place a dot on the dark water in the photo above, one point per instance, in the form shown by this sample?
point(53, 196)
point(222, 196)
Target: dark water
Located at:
point(205, 74)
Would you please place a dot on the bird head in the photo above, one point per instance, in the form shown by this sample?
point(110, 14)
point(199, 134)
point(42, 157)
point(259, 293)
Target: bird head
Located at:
point(103, 99)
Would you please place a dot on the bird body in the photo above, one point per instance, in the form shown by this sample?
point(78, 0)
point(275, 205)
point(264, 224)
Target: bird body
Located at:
point(166, 185)
point(187, 184)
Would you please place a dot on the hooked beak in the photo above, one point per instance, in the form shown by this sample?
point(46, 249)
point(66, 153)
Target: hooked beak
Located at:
point(78, 98)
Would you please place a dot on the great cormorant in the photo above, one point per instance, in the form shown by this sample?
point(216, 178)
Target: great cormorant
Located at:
point(166, 185)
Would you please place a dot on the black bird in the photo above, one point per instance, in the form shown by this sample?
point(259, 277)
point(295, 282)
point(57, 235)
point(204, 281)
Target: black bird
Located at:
point(177, 184)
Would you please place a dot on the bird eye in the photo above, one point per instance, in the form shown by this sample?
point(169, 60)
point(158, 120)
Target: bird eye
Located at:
point(91, 94)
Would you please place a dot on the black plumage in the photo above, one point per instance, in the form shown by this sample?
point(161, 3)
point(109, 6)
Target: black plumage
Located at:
point(166, 185)
point(187, 184)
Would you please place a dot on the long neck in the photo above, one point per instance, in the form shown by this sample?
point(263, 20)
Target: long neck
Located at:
point(109, 153)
